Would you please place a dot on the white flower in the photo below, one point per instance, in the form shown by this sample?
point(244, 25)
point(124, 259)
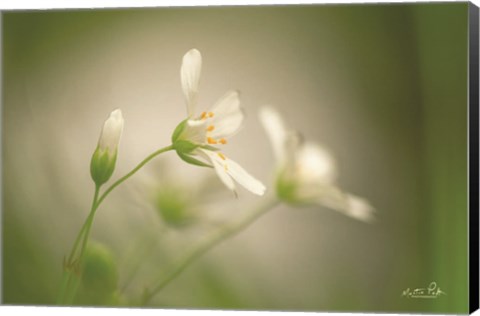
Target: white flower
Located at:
point(199, 133)
point(307, 173)
point(104, 158)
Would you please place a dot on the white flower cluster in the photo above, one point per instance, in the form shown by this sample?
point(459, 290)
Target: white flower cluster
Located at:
point(306, 173)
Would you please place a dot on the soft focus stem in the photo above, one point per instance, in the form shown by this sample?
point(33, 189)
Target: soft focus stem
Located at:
point(131, 173)
point(69, 275)
point(70, 281)
point(222, 234)
point(75, 282)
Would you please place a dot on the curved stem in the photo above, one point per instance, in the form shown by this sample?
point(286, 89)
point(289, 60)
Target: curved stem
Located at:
point(77, 241)
point(65, 295)
point(222, 234)
point(85, 225)
point(67, 274)
point(89, 223)
point(131, 173)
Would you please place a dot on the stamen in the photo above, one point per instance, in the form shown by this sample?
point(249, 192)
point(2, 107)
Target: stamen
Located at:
point(222, 156)
point(203, 115)
point(225, 167)
point(211, 141)
point(210, 114)
point(210, 128)
point(223, 141)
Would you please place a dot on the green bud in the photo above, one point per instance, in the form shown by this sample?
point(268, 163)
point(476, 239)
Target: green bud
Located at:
point(99, 273)
point(105, 156)
point(174, 206)
point(102, 166)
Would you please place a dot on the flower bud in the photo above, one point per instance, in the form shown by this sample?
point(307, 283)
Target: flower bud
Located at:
point(105, 156)
point(99, 275)
point(174, 204)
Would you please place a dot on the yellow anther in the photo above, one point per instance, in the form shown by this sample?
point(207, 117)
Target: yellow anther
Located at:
point(211, 141)
point(225, 167)
point(223, 141)
point(203, 115)
point(222, 156)
point(210, 128)
point(210, 114)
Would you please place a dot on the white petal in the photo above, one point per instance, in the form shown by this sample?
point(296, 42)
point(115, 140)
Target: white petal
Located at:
point(219, 166)
point(227, 104)
point(228, 115)
point(360, 208)
point(195, 131)
point(315, 164)
point(349, 204)
point(111, 132)
point(275, 128)
point(244, 178)
point(228, 126)
point(227, 169)
point(190, 77)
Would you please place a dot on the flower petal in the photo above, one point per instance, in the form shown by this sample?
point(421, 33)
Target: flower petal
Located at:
point(349, 204)
point(228, 115)
point(315, 164)
point(219, 166)
point(111, 132)
point(275, 128)
point(190, 77)
point(195, 131)
point(227, 169)
point(244, 178)
point(360, 208)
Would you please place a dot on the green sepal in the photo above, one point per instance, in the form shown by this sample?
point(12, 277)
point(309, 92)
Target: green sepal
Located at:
point(208, 147)
point(184, 146)
point(193, 161)
point(102, 166)
point(178, 130)
point(287, 190)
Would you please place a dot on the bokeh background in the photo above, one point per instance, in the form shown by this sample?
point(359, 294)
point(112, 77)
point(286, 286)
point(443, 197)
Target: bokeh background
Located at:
point(384, 87)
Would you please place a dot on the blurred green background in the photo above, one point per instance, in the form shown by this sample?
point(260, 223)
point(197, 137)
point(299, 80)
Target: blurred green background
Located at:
point(384, 87)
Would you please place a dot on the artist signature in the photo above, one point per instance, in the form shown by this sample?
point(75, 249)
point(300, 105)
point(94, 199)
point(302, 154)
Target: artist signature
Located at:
point(432, 291)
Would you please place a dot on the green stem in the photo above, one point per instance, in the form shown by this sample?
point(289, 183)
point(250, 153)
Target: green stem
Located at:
point(63, 286)
point(89, 223)
point(222, 234)
point(143, 247)
point(68, 274)
point(76, 279)
point(77, 241)
point(131, 173)
point(67, 293)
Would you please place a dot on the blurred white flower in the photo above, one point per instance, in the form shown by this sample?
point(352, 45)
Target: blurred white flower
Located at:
point(306, 172)
point(198, 134)
point(104, 158)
